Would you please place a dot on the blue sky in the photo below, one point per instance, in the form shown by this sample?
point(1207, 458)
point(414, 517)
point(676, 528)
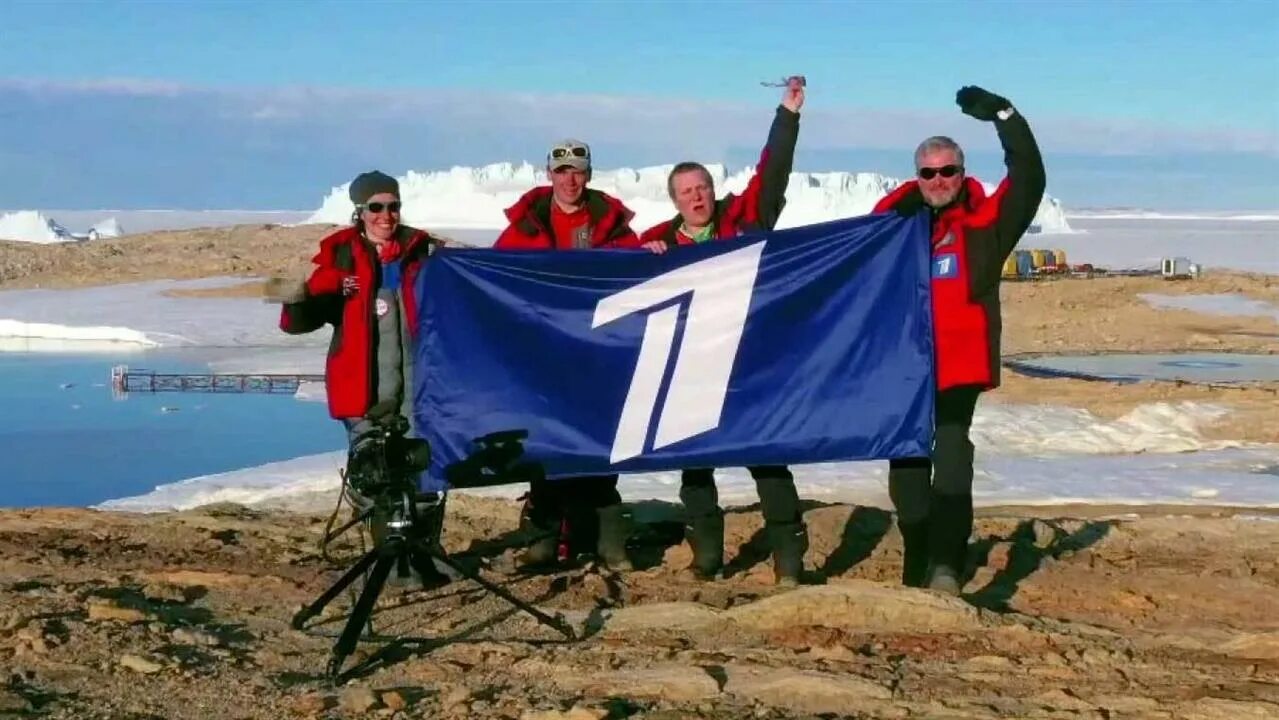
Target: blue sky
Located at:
point(1171, 105)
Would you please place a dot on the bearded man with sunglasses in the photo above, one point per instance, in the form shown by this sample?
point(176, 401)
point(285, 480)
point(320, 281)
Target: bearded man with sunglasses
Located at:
point(972, 235)
point(579, 515)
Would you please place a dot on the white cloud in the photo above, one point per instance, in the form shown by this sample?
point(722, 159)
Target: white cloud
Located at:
point(98, 86)
point(679, 126)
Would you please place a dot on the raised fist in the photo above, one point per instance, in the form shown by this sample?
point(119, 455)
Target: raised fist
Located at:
point(793, 95)
point(282, 290)
point(979, 103)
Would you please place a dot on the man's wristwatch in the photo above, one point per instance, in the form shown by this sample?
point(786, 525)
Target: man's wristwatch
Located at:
point(1005, 113)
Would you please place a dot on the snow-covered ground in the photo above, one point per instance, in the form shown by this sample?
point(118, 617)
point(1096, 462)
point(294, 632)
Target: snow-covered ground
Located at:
point(1226, 304)
point(1251, 245)
point(1026, 454)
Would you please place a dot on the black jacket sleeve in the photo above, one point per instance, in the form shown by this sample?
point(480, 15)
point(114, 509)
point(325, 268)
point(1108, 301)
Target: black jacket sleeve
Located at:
point(775, 166)
point(311, 314)
point(1026, 182)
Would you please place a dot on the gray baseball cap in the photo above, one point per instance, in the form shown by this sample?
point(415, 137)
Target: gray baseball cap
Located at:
point(569, 153)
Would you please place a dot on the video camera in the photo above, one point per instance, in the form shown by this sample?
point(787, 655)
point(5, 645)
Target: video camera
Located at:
point(384, 461)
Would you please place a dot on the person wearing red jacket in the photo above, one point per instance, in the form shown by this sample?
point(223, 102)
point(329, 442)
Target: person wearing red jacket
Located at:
point(363, 285)
point(702, 218)
point(581, 514)
point(567, 215)
point(972, 235)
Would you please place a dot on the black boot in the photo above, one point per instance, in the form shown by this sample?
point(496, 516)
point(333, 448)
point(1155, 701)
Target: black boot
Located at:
point(546, 532)
point(790, 542)
point(783, 521)
point(704, 525)
point(915, 556)
point(705, 534)
point(615, 529)
point(951, 524)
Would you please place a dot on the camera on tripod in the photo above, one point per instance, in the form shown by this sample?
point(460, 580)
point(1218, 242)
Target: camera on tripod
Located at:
point(384, 461)
point(382, 482)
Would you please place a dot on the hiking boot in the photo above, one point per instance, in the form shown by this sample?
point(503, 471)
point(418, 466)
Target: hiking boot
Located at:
point(944, 579)
point(789, 541)
point(950, 525)
point(914, 553)
point(542, 553)
point(614, 530)
point(705, 535)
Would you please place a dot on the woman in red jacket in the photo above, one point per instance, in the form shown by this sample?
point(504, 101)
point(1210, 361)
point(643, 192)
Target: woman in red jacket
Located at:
point(364, 286)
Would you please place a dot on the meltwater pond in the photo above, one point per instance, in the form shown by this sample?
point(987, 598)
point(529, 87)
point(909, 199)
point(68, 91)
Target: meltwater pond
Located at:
point(65, 440)
point(1137, 367)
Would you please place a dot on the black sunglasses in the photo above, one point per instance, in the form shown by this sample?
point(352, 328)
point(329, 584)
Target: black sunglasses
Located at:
point(561, 153)
point(377, 207)
point(946, 171)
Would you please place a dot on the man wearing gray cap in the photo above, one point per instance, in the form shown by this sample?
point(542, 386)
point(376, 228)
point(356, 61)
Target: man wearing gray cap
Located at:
point(581, 514)
point(566, 214)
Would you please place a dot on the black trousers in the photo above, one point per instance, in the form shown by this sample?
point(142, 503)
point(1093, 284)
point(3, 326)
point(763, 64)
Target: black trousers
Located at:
point(778, 498)
point(915, 484)
point(573, 499)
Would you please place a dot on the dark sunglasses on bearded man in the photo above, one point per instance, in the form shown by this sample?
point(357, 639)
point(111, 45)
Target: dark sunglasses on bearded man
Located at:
point(946, 171)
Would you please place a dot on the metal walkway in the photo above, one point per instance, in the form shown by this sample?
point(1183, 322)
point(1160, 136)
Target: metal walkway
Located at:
point(125, 380)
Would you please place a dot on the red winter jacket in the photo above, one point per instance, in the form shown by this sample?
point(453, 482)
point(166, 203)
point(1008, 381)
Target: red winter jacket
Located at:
point(530, 219)
point(349, 371)
point(761, 203)
point(971, 238)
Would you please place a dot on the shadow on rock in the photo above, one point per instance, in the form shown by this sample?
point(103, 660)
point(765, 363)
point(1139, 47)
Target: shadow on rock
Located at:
point(1032, 541)
point(865, 529)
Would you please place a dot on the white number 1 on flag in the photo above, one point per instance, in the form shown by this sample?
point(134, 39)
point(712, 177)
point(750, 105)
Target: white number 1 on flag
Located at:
point(720, 289)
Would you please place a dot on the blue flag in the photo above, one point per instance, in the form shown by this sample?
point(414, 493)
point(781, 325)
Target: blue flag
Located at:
point(796, 346)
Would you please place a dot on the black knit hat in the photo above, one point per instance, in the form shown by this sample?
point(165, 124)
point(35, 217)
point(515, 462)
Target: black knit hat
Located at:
point(368, 184)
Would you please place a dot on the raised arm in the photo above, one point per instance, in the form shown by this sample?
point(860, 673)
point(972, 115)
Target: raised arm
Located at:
point(762, 201)
point(1018, 196)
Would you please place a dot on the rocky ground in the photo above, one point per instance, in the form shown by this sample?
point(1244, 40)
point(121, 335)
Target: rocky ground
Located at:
point(1072, 612)
point(187, 615)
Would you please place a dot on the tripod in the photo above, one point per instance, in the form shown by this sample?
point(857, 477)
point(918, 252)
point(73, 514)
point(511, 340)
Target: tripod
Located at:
point(401, 547)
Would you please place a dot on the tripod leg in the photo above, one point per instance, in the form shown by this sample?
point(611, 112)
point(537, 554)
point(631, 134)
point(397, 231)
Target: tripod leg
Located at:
point(548, 620)
point(331, 536)
point(364, 606)
point(347, 578)
point(425, 568)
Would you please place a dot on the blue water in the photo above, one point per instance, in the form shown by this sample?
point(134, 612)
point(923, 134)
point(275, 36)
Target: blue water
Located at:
point(1135, 367)
point(65, 441)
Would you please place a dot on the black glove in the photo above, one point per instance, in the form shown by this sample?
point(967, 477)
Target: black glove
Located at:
point(980, 103)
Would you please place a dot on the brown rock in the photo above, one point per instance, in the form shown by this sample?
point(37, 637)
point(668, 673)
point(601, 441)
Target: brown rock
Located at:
point(678, 683)
point(804, 691)
point(1254, 646)
point(676, 616)
point(1221, 709)
point(140, 664)
point(312, 704)
point(578, 712)
point(394, 700)
point(858, 605)
point(106, 610)
point(358, 700)
point(454, 696)
point(12, 702)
